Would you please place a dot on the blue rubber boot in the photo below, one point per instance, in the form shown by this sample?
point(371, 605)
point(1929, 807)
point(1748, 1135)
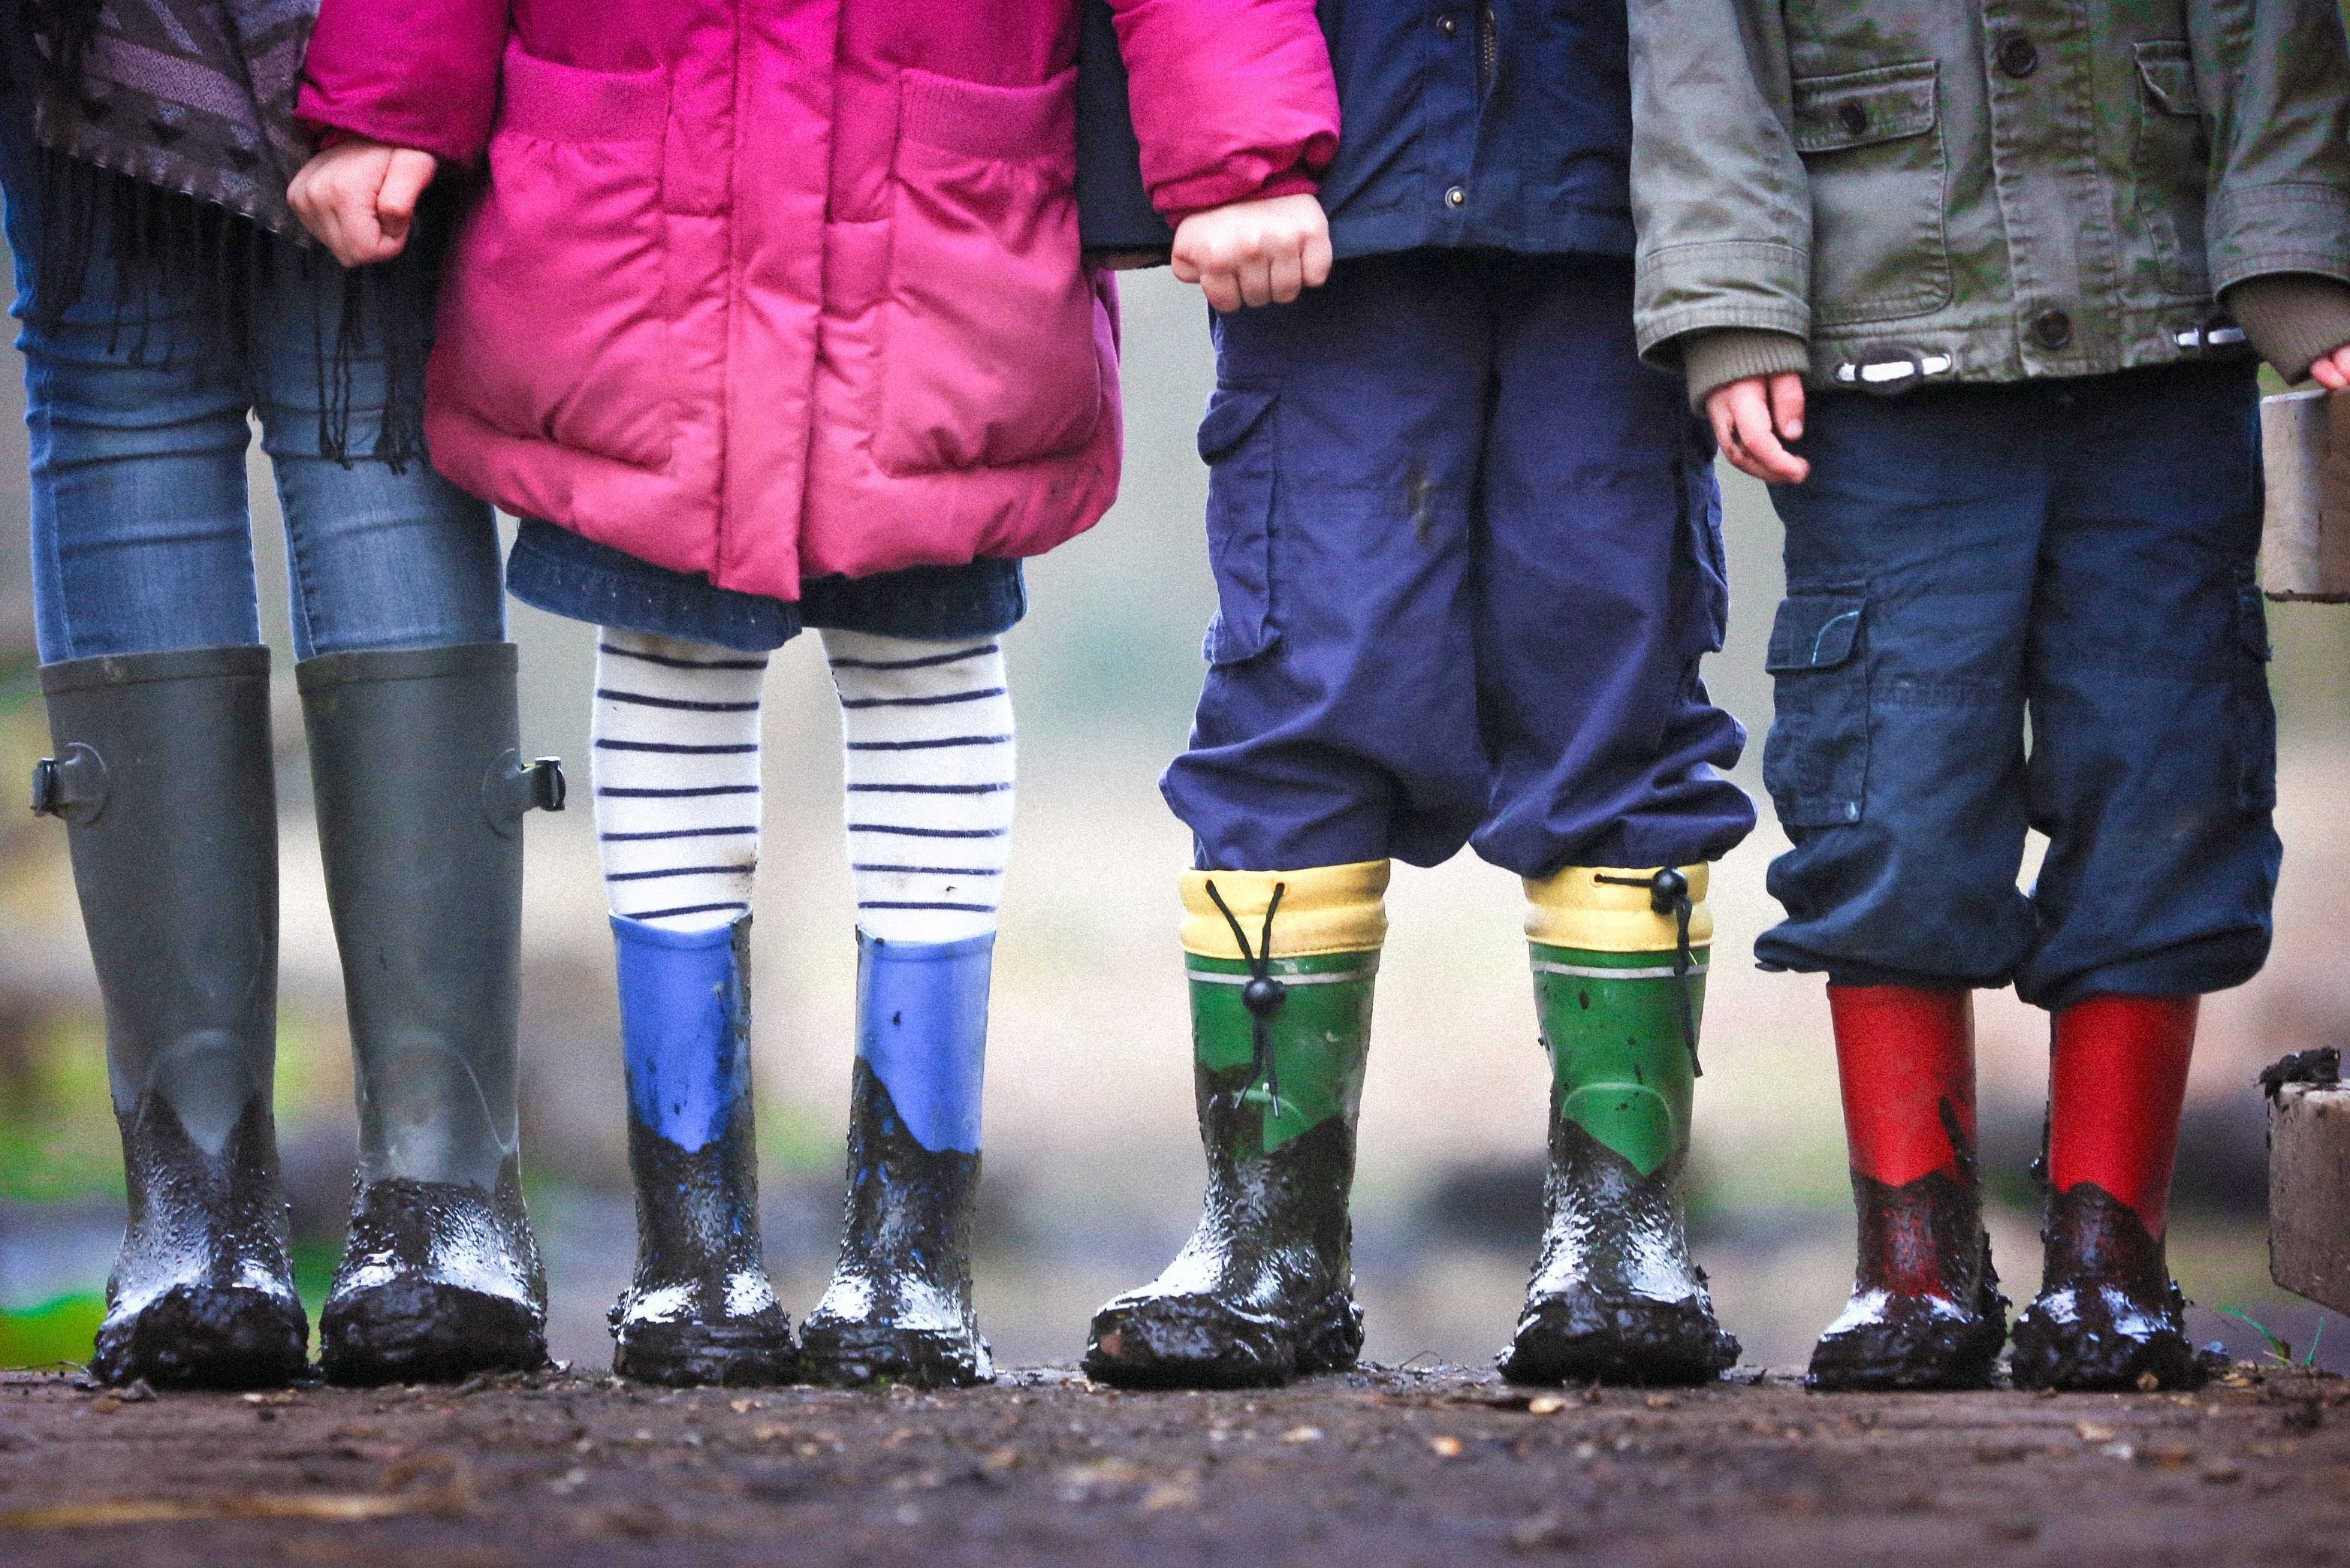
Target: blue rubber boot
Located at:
point(701, 1309)
point(900, 1304)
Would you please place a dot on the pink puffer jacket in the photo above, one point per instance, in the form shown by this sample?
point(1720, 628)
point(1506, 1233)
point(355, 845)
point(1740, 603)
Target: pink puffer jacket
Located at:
point(766, 289)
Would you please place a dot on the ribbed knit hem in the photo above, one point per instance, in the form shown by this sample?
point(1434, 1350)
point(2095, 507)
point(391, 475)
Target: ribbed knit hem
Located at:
point(2291, 318)
point(1715, 357)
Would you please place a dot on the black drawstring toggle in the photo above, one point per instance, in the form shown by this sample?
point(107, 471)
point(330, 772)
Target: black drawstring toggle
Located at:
point(1263, 995)
point(1669, 894)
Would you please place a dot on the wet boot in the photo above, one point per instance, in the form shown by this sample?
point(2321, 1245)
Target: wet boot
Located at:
point(2109, 1314)
point(163, 777)
point(421, 790)
point(1282, 966)
point(898, 1306)
point(700, 1308)
point(1925, 1312)
point(1619, 978)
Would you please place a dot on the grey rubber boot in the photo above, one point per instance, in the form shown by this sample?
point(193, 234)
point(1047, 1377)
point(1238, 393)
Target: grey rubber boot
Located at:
point(163, 777)
point(422, 789)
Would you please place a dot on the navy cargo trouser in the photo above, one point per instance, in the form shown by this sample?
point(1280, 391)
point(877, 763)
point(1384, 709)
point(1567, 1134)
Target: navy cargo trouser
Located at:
point(1468, 554)
point(2080, 552)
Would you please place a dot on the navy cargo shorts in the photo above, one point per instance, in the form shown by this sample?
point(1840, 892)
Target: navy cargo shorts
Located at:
point(2076, 552)
point(1468, 556)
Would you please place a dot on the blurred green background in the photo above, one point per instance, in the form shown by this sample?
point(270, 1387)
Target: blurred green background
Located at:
point(1092, 1165)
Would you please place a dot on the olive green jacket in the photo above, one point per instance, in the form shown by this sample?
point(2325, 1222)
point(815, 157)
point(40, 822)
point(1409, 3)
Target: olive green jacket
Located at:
point(1981, 190)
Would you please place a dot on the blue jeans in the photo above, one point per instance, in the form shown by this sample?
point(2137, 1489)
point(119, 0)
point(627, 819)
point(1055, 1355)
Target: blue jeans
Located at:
point(141, 538)
point(1468, 556)
point(2080, 552)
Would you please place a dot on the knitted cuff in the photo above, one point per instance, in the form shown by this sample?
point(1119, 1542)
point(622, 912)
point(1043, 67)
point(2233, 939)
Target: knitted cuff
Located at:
point(1721, 354)
point(2291, 318)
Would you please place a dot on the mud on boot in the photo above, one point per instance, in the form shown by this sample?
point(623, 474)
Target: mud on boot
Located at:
point(203, 1294)
point(898, 1306)
point(2109, 1314)
point(1618, 960)
point(1945, 1333)
point(439, 1281)
point(1925, 1312)
point(163, 760)
point(1265, 1288)
point(700, 1308)
point(1615, 1298)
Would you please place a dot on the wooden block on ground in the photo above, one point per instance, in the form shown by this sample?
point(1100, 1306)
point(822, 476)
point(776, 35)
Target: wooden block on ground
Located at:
point(2305, 528)
point(2308, 1192)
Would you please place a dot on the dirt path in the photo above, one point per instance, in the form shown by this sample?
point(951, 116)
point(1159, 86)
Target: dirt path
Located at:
point(1439, 1467)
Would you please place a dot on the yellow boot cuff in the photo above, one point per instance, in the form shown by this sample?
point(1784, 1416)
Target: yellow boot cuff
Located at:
point(1324, 909)
point(1573, 908)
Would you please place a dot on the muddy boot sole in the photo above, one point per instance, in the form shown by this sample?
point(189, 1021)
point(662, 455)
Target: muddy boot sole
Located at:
point(704, 1354)
point(422, 1331)
point(2088, 1351)
point(1907, 1350)
point(1579, 1337)
point(852, 1354)
point(198, 1337)
point(1199, 1342)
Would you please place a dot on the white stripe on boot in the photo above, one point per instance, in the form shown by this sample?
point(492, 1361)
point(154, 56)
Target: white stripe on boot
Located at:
point(928, 732)
point(677, 778)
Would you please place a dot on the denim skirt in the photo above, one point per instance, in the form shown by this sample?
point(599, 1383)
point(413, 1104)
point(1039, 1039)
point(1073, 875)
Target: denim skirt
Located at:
point(554, 570)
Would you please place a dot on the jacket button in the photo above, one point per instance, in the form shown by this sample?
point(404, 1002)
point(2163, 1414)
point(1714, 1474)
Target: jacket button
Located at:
point(1449, 25)
point(1853, 118)
point(2051, 329)
point(2018, 55)
point(1455, 197)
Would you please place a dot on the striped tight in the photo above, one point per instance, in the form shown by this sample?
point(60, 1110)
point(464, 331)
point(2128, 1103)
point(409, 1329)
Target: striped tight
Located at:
point(928, 737)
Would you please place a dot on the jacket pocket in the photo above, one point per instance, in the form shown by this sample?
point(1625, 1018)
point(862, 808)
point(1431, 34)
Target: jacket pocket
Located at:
point(555, 323)
point(2171, 167)
point(1815, 762)
point(2256, 725)
point(993, 340)
point(1238, 441)
point(1871, 144)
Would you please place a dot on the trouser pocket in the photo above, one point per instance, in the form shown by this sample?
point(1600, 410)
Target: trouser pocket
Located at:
point(1236, 442)
point(1815, 763)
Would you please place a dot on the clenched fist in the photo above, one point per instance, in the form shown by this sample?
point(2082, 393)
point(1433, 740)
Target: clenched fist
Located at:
point(357, 198)
point(1264, 251)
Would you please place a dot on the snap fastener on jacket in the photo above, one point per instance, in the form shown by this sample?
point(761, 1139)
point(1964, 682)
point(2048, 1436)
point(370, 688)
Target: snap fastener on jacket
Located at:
point(1456, 196)
point(2051, 329)
point(2018, 55)
point(1853, 116)
point(1449, 25)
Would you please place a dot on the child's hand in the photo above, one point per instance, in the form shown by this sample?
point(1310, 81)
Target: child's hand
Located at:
point(1751, 418)
point(1255, 252)
point(356, 198)
point(2332, 370)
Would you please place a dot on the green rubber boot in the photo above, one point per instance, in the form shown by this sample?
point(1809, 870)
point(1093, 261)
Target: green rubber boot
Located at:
point(1614, 1297)
point(1265, 1288)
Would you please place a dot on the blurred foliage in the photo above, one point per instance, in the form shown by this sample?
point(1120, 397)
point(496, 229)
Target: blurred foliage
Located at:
point(57, 1141)
point(61, 1331)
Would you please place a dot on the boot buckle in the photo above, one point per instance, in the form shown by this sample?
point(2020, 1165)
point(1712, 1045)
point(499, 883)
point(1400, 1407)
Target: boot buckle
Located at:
point(515, 788)
point(72, 785)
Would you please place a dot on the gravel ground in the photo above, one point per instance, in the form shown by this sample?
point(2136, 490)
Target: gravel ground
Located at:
point(1383, 1465)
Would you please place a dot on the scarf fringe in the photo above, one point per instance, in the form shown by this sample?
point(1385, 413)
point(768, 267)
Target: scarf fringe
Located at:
point(165, 244)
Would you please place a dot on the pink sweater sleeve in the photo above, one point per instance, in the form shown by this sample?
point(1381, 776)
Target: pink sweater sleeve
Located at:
point(1232, 99)
point(412, 73)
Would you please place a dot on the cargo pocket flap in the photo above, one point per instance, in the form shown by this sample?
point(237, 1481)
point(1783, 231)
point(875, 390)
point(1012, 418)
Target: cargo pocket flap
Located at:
point(1233, 412)
point(1860, 108)
point(1815, 631)
point(2168, 73)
